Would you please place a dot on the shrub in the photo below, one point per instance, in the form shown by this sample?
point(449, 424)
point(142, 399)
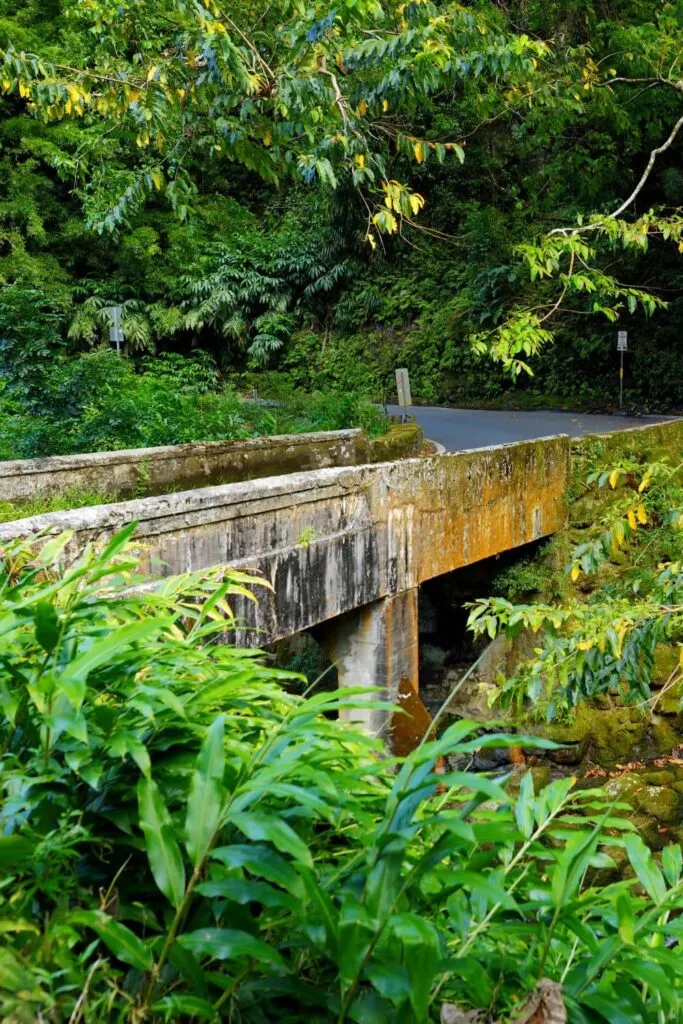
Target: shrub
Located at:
point(183, 839)
point(30, 342)
point(98, 402)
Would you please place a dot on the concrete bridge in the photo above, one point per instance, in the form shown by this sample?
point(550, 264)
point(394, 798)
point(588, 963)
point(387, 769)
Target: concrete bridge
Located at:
point(345, 549)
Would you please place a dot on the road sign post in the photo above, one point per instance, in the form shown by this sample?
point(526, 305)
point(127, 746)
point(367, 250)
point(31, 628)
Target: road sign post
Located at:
point(622, 346)
point(116, 331)
point(403, 387)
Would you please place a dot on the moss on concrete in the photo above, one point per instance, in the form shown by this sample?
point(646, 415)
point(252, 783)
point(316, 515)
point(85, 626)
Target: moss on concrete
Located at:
point(402, 441)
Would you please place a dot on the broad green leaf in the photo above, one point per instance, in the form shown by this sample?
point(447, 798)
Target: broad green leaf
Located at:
point(261, 861)
point(649, 875)
point(14, 850)
point(262, 827)
point(118, 542)
point(163, 851)
point(182, 1007)
point(123, 943)
point(607, 1008)
point(47, 625)
point(420, 941)
point(188, 965)
point(228, 944)
point(244, 890)
point(672, 862)
point(102, 650)
point(571, 866)
point(207, 794)
point(391, 980)
point(524, 808)
point(625, 918)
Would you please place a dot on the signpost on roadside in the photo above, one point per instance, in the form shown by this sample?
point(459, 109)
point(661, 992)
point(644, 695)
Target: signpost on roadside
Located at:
point(622, 346)
point(116, 331)
point(405, 398)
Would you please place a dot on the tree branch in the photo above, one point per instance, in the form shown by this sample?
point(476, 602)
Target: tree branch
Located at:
point(636, 192)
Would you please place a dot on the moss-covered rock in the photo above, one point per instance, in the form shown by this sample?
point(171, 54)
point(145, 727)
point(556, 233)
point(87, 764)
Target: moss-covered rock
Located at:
point(606, 734)
point(663, 735)
point(659, 777)
point(541, 776)
point(659, 802)
point(666, 662)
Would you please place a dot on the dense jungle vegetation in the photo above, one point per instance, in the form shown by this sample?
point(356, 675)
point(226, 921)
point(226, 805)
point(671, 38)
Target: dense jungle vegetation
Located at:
point(312, 194)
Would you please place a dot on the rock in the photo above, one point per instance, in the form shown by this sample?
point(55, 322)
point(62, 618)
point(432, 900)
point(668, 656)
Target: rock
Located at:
point(572, 754)
point(661, 777)
point(664, 737)
point(670, 703)
point(666, 661)
point(452, 1014)
point(623, 788)
point(658, 802)
point(541, 776)
point(608, 734)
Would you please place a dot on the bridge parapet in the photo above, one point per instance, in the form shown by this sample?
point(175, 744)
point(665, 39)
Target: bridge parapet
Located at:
point(332, 540)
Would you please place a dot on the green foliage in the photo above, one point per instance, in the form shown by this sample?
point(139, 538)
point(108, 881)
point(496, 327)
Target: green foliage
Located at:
point(98, 402)
point(176, 147)
point(526, 578)
point(627, 601)
point(183, 838)
point(72, 497)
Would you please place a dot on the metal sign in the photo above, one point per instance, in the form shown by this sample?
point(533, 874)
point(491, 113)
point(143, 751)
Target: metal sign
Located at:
point(403, 387)
point(116, 331)
point(622, 341)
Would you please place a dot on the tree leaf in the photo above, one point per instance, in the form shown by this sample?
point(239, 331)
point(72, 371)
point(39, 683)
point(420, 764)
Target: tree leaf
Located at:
point(524, 808)
point(179, 1007)
point(101, 651)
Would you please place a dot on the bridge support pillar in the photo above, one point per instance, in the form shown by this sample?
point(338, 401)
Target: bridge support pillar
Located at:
point(377, 646)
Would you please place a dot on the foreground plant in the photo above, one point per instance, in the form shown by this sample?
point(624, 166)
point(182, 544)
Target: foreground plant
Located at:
point(184, 839)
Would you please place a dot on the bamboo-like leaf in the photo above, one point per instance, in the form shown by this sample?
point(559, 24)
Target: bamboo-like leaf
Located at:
point(207, 794)
point(260, 826)
point(649, 875)
point(101, 651)
point(229, 944)
point(163, 851)
point(123, 943)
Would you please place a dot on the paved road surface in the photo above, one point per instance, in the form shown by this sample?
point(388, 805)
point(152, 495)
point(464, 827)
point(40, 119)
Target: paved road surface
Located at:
point(458, 429)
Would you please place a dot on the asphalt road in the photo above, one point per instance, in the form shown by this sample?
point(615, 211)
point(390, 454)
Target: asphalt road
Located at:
point(459, 429)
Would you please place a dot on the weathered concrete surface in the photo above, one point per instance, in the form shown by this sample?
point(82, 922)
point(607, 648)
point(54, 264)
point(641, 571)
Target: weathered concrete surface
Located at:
point(333, 540)
point(153, 471)
point(376, 646)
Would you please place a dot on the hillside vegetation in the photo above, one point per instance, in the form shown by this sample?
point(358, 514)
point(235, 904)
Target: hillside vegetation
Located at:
point(313, 194)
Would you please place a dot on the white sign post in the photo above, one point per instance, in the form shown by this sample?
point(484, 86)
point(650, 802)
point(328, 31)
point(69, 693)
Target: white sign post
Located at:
point(622, 346)
point(116, 331)
point(405, 399)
